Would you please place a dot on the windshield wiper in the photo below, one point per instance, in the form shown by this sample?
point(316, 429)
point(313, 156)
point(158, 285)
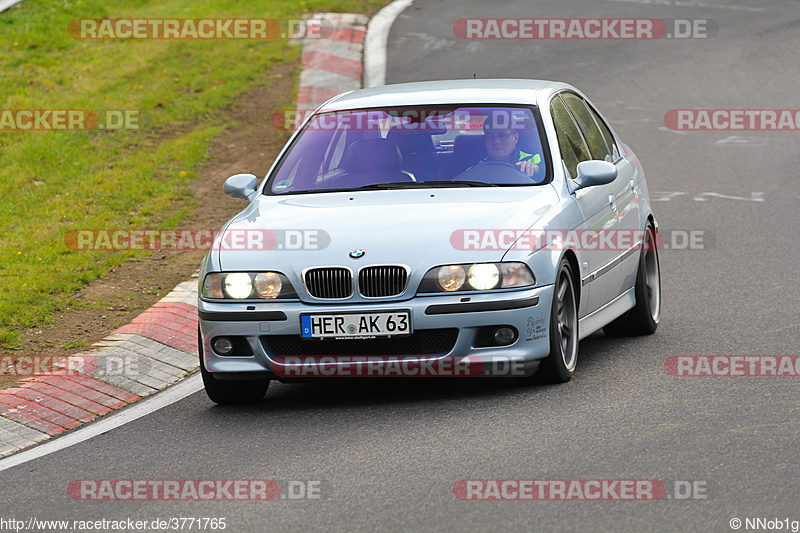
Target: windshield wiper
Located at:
point(466, 183)
point(425, 184)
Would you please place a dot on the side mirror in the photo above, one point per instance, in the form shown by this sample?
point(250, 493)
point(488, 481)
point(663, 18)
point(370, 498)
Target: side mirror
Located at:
point(241, 186)
point(592, 173)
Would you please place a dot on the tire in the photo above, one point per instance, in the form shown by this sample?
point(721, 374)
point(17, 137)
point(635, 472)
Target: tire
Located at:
point(230, 392)
point(643, 319)
point(559, 365)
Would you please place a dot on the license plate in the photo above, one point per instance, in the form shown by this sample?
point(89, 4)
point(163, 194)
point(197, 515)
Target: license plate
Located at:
point(356, 325)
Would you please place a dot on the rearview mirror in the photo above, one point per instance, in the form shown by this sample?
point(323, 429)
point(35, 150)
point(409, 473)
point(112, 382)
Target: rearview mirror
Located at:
point(591, 173)
point(241, 186)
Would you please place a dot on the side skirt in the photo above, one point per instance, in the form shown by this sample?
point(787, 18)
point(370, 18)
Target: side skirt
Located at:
point(606, 314)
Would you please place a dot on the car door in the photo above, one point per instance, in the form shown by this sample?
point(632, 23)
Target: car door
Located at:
point(626, 197)
point(626, 191)
point(596, 203)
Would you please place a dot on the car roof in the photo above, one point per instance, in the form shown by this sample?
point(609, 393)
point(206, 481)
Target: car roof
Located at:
point(488, 91)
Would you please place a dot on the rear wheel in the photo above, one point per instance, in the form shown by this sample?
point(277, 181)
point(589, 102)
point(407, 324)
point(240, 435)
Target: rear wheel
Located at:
point(230, 392)
point(643, 319)
point(560, 364)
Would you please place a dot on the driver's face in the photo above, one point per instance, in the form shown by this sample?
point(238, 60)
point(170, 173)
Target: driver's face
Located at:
point(500, 143)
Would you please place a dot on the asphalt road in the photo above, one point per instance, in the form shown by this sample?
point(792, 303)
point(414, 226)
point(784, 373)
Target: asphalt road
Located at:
point(387, 455)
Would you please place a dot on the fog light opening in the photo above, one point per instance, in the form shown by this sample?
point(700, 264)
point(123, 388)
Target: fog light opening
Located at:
point(505, 335)
point(222, 345)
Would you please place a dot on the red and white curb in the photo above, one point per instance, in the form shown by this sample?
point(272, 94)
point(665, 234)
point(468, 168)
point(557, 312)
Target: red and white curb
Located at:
point(158, 348)
point(331, 64)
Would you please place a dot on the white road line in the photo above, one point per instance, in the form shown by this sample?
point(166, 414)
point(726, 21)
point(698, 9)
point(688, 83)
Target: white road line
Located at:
point(678, 132)
point(376, 40)
point(690, 3)
point(141, 408)
point(754, 197)
point(739, 140)
point(5, 4)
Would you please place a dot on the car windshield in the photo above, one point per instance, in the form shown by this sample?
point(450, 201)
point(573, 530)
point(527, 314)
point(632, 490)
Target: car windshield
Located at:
point(414, 147)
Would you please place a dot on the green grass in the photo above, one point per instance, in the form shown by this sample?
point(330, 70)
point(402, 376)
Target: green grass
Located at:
point(71, 345)
point(52, 182)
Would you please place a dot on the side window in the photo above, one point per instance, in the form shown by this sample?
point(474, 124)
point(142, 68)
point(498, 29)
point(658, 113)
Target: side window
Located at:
point(597, 143)
point(606, 131)
point(570, 143)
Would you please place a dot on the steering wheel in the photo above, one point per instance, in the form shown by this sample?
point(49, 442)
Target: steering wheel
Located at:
point(501, 174)
point(503, 163)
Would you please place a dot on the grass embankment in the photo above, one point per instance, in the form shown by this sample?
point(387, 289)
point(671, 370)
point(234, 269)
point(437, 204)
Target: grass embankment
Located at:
point(52, 182)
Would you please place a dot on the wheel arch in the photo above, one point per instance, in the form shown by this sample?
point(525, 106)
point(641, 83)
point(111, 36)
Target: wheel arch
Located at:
point(572, 258)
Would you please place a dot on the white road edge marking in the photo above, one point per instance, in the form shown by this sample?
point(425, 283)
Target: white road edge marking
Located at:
point(5, 4)
point(690, 3)
point(374, 75)
point(664, 128)
point(376, 41)
point(168, 396)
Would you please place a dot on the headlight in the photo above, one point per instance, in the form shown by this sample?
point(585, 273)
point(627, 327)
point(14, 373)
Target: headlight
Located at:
point(484, 276)
point(247, 285)
point(238, 285)
point(477, 277)
point(268, 284)
point(451, 278)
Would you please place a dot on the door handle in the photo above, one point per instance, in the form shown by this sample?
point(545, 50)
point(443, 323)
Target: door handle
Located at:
point(612, 201)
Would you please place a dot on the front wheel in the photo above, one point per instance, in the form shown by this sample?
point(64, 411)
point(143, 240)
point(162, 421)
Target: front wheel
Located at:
point(230, 392)
point(559, 365)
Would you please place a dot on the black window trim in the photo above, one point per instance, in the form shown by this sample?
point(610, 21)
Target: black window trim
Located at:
point(569, 112)
point(595, 114)
point(575, 122)
point(590, 107)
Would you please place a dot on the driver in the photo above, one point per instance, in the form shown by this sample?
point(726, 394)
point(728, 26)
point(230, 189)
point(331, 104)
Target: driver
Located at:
point(501, 145)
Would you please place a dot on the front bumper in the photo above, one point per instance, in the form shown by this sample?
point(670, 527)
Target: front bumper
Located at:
point(262, 324)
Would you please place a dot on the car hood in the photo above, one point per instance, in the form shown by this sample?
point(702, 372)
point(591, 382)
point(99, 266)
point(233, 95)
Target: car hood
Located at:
point(419, 228)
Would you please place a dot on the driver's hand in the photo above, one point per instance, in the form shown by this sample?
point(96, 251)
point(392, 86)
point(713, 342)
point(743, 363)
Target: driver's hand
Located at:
point(529, 168)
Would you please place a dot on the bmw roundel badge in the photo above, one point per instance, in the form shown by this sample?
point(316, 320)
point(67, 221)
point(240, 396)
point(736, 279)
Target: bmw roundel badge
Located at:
point(357, 254)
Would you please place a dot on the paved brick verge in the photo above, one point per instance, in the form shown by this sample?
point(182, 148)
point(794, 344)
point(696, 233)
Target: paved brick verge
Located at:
point(159, 347)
